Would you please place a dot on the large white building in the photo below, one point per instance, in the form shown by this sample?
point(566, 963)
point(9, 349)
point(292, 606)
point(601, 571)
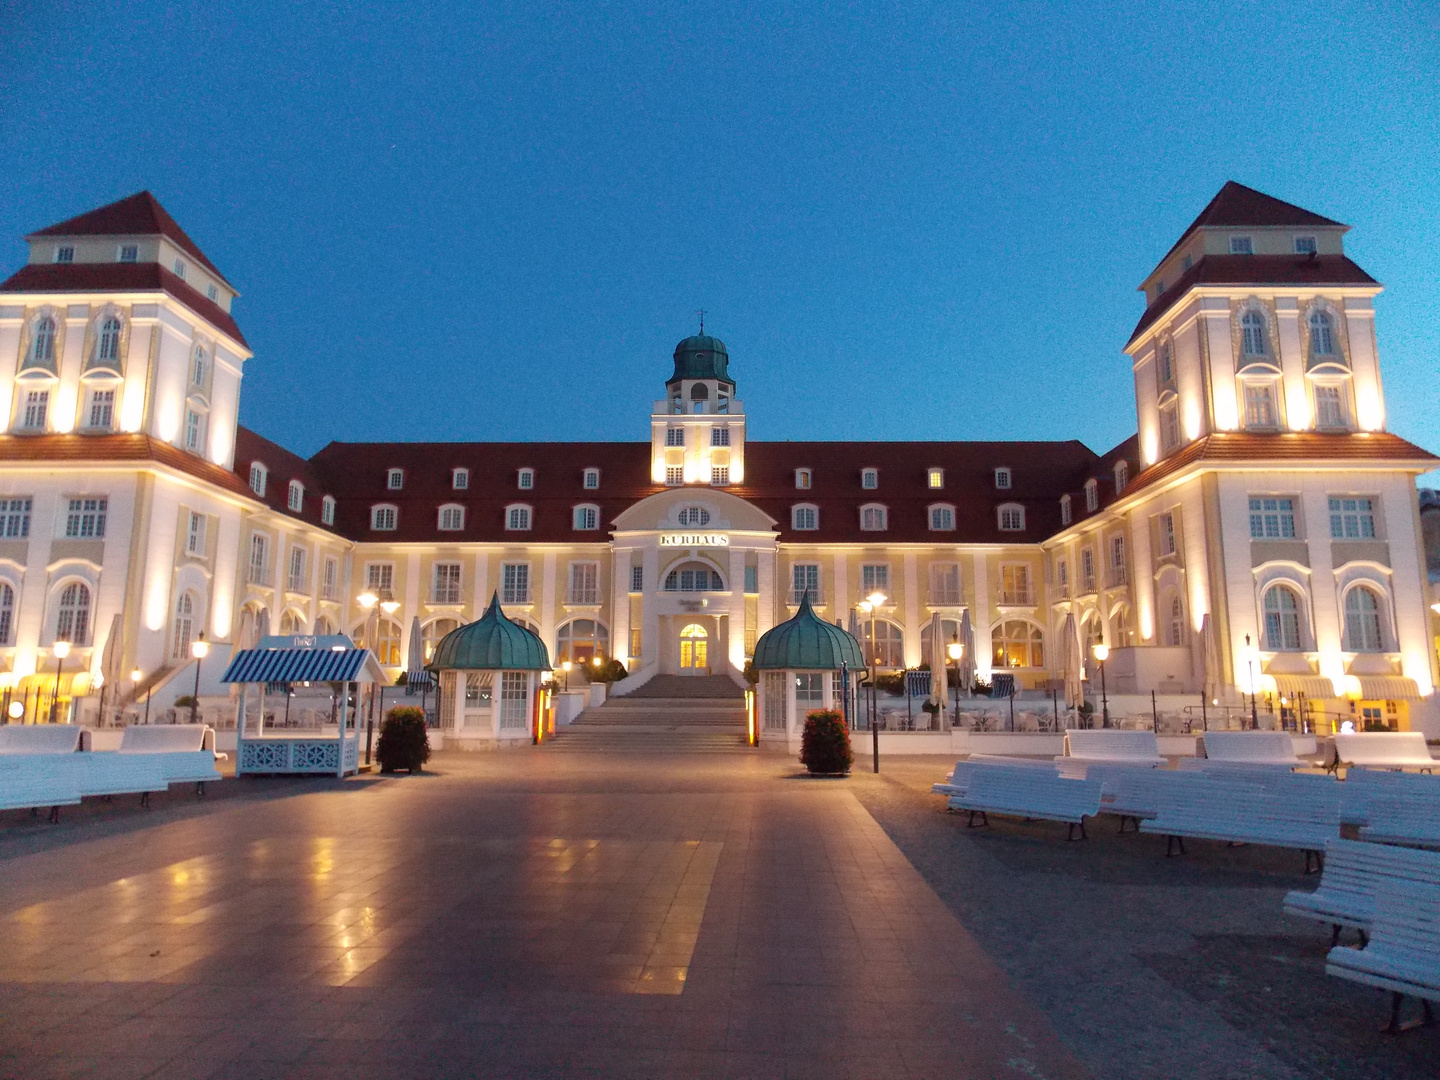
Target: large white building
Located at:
point(1262, 500)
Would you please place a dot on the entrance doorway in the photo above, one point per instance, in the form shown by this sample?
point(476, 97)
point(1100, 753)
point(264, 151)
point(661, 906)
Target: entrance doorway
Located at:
point(694, 650)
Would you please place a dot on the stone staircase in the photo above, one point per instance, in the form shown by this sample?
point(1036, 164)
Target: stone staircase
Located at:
point(670, 714)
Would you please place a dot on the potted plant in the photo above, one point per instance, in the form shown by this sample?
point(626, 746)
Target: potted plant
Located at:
point(404, 743)
point(825, 744)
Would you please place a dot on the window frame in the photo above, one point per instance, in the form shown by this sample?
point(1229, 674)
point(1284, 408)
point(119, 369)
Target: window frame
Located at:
point(460, 478)
point(525, 479)
point(799, 509)
point(1168, 539)
point(1302, 248)
point(583, 512)
point(195, 530)
point(1067, 510)
point(1004, 478)
point(259, 472)
point(516, 590)
point(1380, 615)
point(583, 597)
point(455, 511)
point(947, 511)
point(453, 592)
point(1285, 629)
point(1005, 510)
point(1261, 513)
point(590, 474)
point(802, 571)
point(127, 253)
point(876, 512)
point(378, 512)
point(1339, 514)
point(720, 436)
point(85, 516)
point(327, 510)
point(394, 479)
point(935, 478)
point(719, 475)
point(523, 513)
point(1092, 495)
point(674, 475)
point(1242, 244)
point(295, 496)
point(870, 479)
point(804, 479)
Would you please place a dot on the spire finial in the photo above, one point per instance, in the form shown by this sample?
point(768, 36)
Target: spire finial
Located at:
point(702, 322)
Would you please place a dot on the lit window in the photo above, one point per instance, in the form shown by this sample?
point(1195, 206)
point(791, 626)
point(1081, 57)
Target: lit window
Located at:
point(694, 577)
point(327, 510)
point(295, 497)
point(72, 622)
point(720, 436)
point(452, 518)
point(1241, 245)
point(107, 345)
point(1002, 479)
point(872, 518)
point(102, 409)
point(194, 430)
point(1167, 534)
point(15, 518)
point(1092, 495)
point(1329, 407)
point(592, 479)
point(935, 478)
point(693, 515)
point(1322, 337)
point(195, 535)
point(395, 479)
point(383, 518)
point(37, 409)
point(804, 518)
point(180, 269)
point(460, 479)
point(587, 517)
point(1066, 514)
point(257, 478)
point(674, 474)
point(674, 436)
point(65, 254)
point(869, 479)
point(1352, 519)
point(1012, 518)
point(719, 474)
point(942, 519)
point(1259, 405)
point(515, 583)
point(447, 583)
point(525, 480)
point(802, 479)
point(1362, 621)
point(129, 253)
point(805, 581)
point(85, 519)
point(1252, 333)
point(1305, 245)
point(1018, 644)
point(517, 518)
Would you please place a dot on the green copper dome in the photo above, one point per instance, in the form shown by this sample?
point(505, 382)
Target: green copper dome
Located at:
point(807, 643)
point(702, 357)
point(490, 643)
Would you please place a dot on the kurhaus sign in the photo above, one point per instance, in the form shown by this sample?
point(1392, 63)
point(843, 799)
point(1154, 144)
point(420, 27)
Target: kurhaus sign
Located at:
point(690, 539)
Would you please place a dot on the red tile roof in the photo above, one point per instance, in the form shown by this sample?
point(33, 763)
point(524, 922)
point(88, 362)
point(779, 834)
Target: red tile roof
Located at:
point(119, 277)
point(1244, 207)
point(104, 448)
point(1223, 270)
point(136, 215)
point(281, 467)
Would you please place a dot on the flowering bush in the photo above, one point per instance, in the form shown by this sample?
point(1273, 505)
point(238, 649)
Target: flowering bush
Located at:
point(403, 743)
point(825, 743)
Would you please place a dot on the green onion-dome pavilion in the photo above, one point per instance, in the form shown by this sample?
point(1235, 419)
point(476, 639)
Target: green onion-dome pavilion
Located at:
point(807, 642)
point(490, 643)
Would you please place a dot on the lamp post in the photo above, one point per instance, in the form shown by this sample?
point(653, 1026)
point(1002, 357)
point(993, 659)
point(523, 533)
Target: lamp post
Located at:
point(955, 651)
point(135, 677)
point(565, 667)
point(62, 650)
point(198, 648)
point(872, 607)
point(1250, 659)
point(1102, 651)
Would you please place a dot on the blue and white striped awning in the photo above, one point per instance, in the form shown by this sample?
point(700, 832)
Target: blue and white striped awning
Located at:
point(303, 665)
point(417, 682)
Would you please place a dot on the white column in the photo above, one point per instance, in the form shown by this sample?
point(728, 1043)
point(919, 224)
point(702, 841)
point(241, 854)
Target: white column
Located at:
point(620, 606)
point(546, 615)
point(649, 616)
point(840, 601)
point(912, 610)
point(980, 614)
point(412, 594)
point(482, 585)
point(736, 609)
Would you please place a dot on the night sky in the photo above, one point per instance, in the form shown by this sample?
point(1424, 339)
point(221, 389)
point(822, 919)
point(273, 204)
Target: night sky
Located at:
point(908, 221)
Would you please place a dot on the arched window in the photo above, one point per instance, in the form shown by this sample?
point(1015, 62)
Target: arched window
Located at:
point(693, 515)
point(883, 643)
point(1066, 513)
point(452, 518)
point(1322, 337)
point(873, 518)
point(432, 634)
point(1282, 619)
point(290, 624)
point(1092, 495)
point(949, 634)
point(386, 643)
point(1252, 330)
point(72, 622)
point(581, 640)
point(198, 364)
point(1018, 643)
point(323, 626)
point(295, 496)
point(1175, 623)
point(185, 628)
point(1122, 627)
point(1362, 621)
point(517, 518)
point(805, 517)
point(7, 612)
point(107, 344)
point(383, 518)
point(694, 577)
point(1122, 475)
point(587, 517)
point(942, 518)
point(1011, 517)
point(42, 343)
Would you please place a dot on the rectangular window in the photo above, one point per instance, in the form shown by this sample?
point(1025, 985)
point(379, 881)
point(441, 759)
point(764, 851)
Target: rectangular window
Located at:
point(1166, 366)
point(452, 518)
point(592, 479)
point(1272, 518)
point(720, 436)
point(15, 518)
point(869, 479)
point(129, 253)
point(1087, 570)
point(212, 293)
point(195, 535)
point(259, 560)
point(514, 699)
point(37, 408)
point(1169, 427)
point(460, 479)
point(809, 690)
point(257, 479)
point(518, 519)
point(1259, 405)
point(872, 518)
point(327, 511)
point(875, 577)
point(395, 479)
point(1352, 518)
point(674, 474)
point(944, 584)
point(180, 269)
point(1002, 479)
point(1305, 245)
point(515, 583)
point(1066, 514)
point(526, 479)
point(1117, 560)
point(1167, 534)
point(193, 425)
point(1241, 245)
point(637, 579)
point(805, 577)
point(295, 496)
point(1012, 518)
point(1015, 584)
point(380, 579)
point(1092, 496)
point(296, 582)
point(802, 479)
point(584, 583)
point(720, 474)
point(935, 478)
point(102, 409)
point(328, 580)
point(674, 436)
point(1329, 407)
point(65, 254)
point(86, 519)
point(1062, 577)
point(752, 580)
point(382, 518)
point(447, 583)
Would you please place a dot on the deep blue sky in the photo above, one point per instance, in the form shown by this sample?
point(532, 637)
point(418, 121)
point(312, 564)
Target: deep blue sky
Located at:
point(908, 221)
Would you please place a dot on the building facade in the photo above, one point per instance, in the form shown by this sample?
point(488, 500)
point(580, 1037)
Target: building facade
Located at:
point(1260, 534)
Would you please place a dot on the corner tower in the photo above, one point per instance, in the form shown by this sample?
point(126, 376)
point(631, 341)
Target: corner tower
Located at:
point(697, 432)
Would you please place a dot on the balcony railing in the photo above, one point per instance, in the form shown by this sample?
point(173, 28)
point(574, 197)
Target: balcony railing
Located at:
point(295, 583)
point(515, 596)
point(1087, 585)
point(1017, 597)
point(446, 594)
point(584, 596)
point(1118, 576)
point(816, 597)
point(258, 575)
point(945, 598)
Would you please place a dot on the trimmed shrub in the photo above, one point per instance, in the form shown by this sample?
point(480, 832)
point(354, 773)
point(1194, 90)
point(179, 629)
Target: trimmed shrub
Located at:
point(610, 672)
point(825, 743)
point(403, 742)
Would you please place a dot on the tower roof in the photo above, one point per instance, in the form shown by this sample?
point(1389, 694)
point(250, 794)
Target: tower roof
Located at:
point(1236, 205)
point(136, 215)
point(702, 357)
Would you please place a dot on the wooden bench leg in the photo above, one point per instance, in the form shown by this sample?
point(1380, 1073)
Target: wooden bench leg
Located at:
point(1171, 842)
point(1071, 834)
point(1395, 1027)
point(200, 790)
point(1317, 859)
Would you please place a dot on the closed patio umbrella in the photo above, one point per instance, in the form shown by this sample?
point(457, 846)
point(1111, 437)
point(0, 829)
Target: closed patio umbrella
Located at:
point(1210, 658)
point(1070, 663)
point(967, 655)
point(939, 674)
point(110, 663)
point(417, 679)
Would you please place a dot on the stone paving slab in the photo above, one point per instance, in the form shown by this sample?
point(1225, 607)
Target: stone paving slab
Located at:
point(512, 914)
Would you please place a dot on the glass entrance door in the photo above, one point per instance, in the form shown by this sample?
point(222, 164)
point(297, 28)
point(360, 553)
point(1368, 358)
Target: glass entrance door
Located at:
point(694, 650)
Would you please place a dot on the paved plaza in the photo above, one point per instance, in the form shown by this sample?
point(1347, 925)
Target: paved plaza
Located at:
point(553, 913)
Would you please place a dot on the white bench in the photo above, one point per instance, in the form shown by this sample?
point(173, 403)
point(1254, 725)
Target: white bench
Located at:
point(1027, 792)
point(30, 781)
point(1290, 810)
point(1259, 748)
point(18, 739)
point(1363, 786)
point(1403, 815)
point(184, 752)
point(1131, 792)
point(959, 778)
point(1354, 873)
point(1403, 954)
point(109, 773)
point(1108, 746)
point(1383, 750)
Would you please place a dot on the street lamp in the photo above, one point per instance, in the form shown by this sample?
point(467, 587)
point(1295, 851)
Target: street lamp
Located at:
point(62, 650)
point(1102, 651)
point(565, 667)
point(1250, 659)
point(872, 607)
point(955, 651)
point(198, 648)
point(135, 677)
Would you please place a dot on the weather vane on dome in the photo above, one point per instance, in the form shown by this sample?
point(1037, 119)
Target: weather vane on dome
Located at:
point(702, 322)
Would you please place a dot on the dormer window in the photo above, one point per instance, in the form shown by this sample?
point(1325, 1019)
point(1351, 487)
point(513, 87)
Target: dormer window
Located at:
point(65, 254)
point(1122, 475)
point(1242, 245)
point(1186, 263)
point(383, 518)
point(586, 518)
point(935, 479)
point(805, 517)
point(452, 518)
point(1092, 495)
point(1011, 517)
point(942, 518)
point(1002, 479)
point(1066, 513)
point(295, 497)
point(128, 253)
point(212, 294)
point(525, 480)
point(460, 479)
point(395, 479)
point(327, 510)
point(869, 479)
point(1305, 245)
point(258, 475)
point(802, 479)
point(180, 269)
point(517, 518)
point(1159, 288)
point(873, 518)
point(591, 479)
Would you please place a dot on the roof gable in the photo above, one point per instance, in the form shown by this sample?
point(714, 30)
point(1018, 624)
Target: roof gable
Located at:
point(1236, 205)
